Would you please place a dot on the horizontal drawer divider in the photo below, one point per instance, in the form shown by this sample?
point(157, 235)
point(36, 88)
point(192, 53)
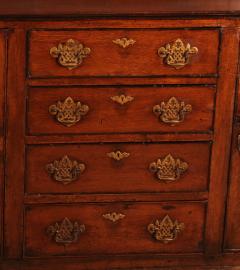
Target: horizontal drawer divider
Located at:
point(121, 81)
point(138, 197)
point(100, 138)
point(95, 82)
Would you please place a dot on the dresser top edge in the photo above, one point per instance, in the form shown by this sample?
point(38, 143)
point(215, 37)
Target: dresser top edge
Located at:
point(75, 8)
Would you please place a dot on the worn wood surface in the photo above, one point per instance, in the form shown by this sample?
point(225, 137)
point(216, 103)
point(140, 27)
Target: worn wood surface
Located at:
point(196, 199)
point(14, 166)
point(232, 220)
point(53, 8)
point(44, 198)
point(133, 174)
point(109, 59)
point(3, 64)
point(108, 116)
point(222, 138)
point(102, 236)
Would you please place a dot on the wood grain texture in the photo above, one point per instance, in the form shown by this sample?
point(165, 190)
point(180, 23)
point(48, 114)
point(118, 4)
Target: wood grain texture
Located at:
point(232, 217)
point(14, 147)
point(3, 62)
point(109, 59)
point(134, 262)
point(232, 240)
point(222, 139)
point(132, 172)
point(129, 235)
point(127, 81)
point(119, 23)
point(101, 138)
point(107, 116)
point(53, 8)
point(124, 197)
point(199, 196)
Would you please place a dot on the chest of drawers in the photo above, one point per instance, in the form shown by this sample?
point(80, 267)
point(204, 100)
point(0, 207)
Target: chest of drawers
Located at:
point(119, 140)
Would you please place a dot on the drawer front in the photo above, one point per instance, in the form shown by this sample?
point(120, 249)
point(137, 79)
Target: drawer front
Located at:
point(123, 52)
point(114, 228)
point(120, 109)
point(117, 168)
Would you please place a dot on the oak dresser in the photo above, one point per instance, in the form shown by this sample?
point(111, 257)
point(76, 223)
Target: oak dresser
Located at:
point(119, 135)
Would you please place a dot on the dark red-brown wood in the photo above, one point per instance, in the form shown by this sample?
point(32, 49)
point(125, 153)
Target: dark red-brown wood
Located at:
point(106, 175)
point(108, 116)
point(3, 63)
point(31, 8)
point(232, 239)
point(109, 59)
point(14, 165)
point(126, 236)
point(23, 237)
point(222, 138)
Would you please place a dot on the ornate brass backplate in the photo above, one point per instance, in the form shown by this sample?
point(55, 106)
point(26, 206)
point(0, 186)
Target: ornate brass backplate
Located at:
point(118, 155)
point(124, 42)
point(70, 54)
point(166, 230)
point(68, 112)
point(168, 169)
point(122, 99)
point(113, 216)
point(65, 232)
point(65, 170)
point(172, 112)
point(177, 54)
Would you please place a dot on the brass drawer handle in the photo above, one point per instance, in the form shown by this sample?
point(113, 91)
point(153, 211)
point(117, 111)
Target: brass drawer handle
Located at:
point(177, 54)
point(65, 170)
point(124, 42)
point(65, 232)
point(165, 230)
point(70, 54)
point(118, 155)
point(172, 112)
point(168, 169)
point(113, 216)
point(122, 99)
point(68, 112)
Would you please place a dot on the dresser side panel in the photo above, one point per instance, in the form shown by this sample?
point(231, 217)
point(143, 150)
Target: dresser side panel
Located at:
point(2, 94)
point(14, 168)
point(222, 137)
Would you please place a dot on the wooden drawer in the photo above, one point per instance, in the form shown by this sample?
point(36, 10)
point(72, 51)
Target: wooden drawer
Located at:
point(103, 52)
point(117, 168)
point(114, 228)
point(120, 109)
